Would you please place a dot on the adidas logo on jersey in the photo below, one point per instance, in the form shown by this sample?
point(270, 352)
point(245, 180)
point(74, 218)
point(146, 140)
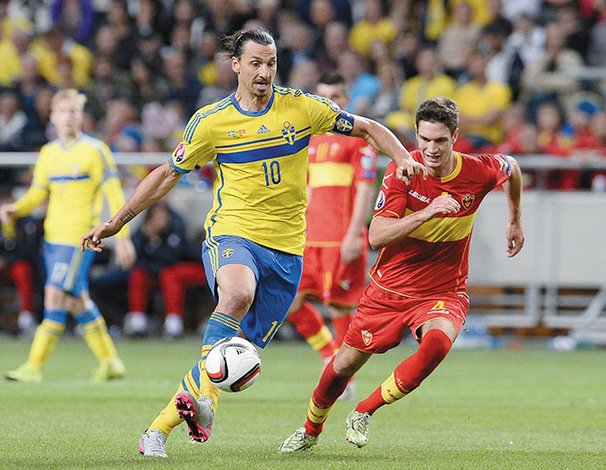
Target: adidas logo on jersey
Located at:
point(263, 129)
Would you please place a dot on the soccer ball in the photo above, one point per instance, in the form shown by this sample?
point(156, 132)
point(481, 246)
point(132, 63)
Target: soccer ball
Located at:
point(233, 364)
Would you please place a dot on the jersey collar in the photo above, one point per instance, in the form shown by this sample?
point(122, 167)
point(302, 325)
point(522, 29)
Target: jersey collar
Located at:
point(253, 113)
point(456, 171)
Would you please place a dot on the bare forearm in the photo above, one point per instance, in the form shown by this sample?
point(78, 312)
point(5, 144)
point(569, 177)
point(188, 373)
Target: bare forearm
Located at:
point(382, 139)
point(385, 231)
point(361, 208)
point(149, 191)
point(513, 191)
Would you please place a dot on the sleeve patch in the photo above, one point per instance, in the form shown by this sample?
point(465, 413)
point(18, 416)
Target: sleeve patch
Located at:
point(380, 200)
point(344, 123)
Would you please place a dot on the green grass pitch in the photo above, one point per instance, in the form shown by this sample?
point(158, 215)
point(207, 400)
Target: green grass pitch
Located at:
point(482, 409)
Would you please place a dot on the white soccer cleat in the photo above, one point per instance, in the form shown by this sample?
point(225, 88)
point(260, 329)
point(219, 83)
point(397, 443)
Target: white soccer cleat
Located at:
point(357, 428)
point(198, 414)
point(173, 326)
point(298, 441)
point(153, 444)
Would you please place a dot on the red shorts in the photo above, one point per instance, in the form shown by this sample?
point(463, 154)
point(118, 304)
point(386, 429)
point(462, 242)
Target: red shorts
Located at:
point(332, 282)
point(380, 320)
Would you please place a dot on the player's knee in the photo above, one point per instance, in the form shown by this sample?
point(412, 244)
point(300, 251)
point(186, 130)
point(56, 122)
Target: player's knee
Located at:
point(237, 300)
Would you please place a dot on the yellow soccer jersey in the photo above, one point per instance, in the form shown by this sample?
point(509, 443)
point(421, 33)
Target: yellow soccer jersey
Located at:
point(73, 178)
point(261, 163)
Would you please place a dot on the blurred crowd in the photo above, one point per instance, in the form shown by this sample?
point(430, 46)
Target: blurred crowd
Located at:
point(528, 74)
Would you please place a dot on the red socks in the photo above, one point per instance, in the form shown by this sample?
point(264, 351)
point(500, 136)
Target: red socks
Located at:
point(409, 374)
point(310, 325)
point(330, 388)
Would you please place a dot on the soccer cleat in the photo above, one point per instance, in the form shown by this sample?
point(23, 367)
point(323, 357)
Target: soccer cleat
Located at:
point(349, 393)
point(110, 370)
point(197, 413)
point(298, 441)
point(153, 443)
point(357, 428)
point(24, 373)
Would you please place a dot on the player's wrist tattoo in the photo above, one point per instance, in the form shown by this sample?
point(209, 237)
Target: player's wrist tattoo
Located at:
point(127, 216)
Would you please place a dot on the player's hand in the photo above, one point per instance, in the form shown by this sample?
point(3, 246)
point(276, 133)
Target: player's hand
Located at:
point(410, 168)
point(7, 213)
point(126, 254)
point(351, 247)
point(515, 238)
point(444, 204)
point(93, 239)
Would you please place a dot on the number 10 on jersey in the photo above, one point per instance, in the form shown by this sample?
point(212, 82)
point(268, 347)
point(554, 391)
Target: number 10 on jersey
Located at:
point(272, 172)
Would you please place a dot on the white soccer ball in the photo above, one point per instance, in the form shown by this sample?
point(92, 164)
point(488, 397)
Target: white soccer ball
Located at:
point(233, 364)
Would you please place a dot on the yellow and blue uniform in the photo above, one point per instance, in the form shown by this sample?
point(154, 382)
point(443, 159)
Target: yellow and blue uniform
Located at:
point(74, 178)
point(258, 214)
point(260, 192)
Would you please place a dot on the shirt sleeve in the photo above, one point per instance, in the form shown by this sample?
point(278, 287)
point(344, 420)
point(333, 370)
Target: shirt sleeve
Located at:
point(323, 113)
point(392, 197)
point(498, 168)
point(196, 148)
point(38, 191)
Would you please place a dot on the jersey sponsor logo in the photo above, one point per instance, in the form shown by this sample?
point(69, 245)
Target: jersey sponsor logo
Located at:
point(263, 129)
point(180, 153)
point(236, 134)
point(467, 200)
point(289, 132)
point(380, 200)
point(418, 196)
point(385, 178)
point(227, 252)
point(366, 337)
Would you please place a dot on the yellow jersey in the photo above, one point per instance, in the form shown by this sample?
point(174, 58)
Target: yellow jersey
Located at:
point(73, 178)
point(261, 161)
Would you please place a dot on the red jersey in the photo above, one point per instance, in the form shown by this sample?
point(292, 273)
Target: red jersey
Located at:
point(336, 164)
point(433, 259)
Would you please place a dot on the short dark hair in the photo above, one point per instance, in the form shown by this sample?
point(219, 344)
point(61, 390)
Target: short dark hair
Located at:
point(439, 109)
point(331, 78)
point(234, 43)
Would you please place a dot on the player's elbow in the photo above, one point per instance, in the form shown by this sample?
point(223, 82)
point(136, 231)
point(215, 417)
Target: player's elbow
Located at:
point(375, 240)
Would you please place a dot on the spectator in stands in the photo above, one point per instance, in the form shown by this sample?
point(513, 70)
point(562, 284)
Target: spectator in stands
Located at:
point(122, 27)
point(430, 82)
point(75, 17)
point(334, 42)
point(458, 40)
point(108, 84)
point(14, 44)
point(204, 61)
point(304, 75)
point(55, 50)
point(363, 85)
point(505, 64)
point(183, 85)
point(148, 17)
point(596, 54)
point(548, 78)
point(20, 264)
point(481, 105)
point(408, 46)
point(374, 26)
point(38, 129)
point(296, 45)
point(224, 85)
point(387, 99)
point(555, 139)
point(576, 29)
point(12, 121)
point(164, 259)
point(147, 86)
